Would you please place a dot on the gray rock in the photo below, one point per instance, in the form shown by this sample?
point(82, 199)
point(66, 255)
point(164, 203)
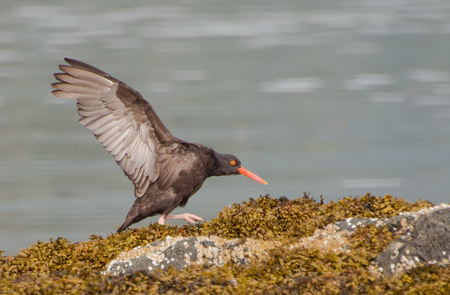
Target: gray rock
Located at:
point(427, 243)
point(350, 224)
point(180, 252)
point(425, 238)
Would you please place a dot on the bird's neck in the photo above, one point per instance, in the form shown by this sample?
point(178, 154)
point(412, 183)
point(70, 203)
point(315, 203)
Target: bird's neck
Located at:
point(215, 168)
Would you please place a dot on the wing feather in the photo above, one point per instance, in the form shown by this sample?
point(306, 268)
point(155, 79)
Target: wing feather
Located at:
point(63, 77)
point(118, 144)
point(83, 89)
point(93, 112)
point(85, 75)
point(109, 136)
point(121, 120)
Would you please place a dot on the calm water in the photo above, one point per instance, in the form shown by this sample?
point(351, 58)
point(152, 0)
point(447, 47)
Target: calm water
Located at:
point(331, 97)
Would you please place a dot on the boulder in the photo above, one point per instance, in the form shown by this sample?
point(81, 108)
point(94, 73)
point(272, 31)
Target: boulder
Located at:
point(426, 242)
point(425, 239)
point(180, 252)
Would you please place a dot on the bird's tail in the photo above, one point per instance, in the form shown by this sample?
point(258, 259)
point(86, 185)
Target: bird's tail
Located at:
point(133, 216)
point(140, 210)
point(126, 224)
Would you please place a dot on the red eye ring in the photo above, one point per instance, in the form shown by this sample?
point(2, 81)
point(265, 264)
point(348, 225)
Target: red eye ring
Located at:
point(233, 162)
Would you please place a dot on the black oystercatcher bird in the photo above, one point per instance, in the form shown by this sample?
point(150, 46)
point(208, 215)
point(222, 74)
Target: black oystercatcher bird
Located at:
point(165, 170)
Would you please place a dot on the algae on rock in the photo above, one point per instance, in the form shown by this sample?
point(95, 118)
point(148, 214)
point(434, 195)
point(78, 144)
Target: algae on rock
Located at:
point(60, 267)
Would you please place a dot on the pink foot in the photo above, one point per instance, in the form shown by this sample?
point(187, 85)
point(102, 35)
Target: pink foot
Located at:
point(162, 220)
point(191, 218)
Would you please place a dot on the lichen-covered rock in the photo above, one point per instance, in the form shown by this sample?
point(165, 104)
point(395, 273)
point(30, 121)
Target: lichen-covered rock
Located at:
point(350, 224)
point(180, 252)
point(426, 232)
point(426, 242)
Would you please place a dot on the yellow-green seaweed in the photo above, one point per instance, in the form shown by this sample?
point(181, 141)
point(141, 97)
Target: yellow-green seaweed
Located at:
point(61, 267)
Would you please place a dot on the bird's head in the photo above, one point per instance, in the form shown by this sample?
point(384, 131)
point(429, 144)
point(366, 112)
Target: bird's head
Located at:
point(228, 164)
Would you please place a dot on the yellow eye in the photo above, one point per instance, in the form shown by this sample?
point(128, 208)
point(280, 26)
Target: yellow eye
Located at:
point(233, 162)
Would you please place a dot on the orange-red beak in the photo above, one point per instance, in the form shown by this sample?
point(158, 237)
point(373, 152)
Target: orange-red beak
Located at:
point(251, 175)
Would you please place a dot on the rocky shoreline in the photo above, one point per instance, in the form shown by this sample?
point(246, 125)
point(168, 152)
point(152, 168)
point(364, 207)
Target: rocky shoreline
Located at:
point(367, 244)
point(424, 239)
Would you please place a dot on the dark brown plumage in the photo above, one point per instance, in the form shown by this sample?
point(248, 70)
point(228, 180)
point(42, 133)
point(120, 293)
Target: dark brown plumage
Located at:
point(165, 170)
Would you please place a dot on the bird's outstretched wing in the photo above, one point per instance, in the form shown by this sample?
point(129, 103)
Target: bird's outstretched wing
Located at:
point(121, 119)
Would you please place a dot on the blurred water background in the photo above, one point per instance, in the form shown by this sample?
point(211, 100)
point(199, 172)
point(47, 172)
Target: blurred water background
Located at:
point(337, 98)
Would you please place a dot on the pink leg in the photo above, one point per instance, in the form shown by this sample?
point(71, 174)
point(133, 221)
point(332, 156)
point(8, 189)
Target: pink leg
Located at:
point(191, 218)
point(162, 220)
